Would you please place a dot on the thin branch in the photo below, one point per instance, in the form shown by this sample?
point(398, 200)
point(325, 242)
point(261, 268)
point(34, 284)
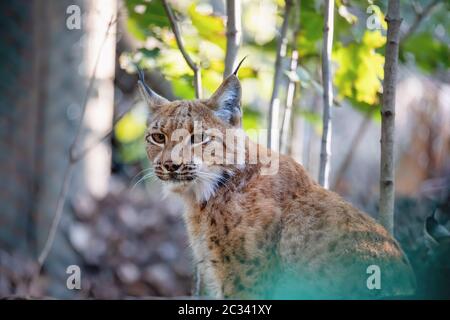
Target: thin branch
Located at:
point(387, 183)
point(233, 35)
point(325, 150)
point(72, 159)
point(295, 128)
point(274, 100)
point(420, 16)
point(194, 67)
point(286, 122)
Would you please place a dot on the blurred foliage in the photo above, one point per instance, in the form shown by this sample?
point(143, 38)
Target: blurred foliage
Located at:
point(436, 56)
point(428, 48)
point(360, 68)
point(358, 51)
point(251, 119)
point(130, 131)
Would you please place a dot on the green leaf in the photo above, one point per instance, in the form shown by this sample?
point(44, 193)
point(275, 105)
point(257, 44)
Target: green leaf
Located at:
point(209, 27)
point(130, 128)
point(183, 87)
point(251, 119)
point(360, 68)
point(311, 30)
point(428, 52)
point(144, 17)
point(134, 28)
point(150, 53)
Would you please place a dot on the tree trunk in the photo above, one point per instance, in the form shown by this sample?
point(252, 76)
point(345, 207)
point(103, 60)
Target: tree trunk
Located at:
point(51, 65)
point(272, 138)
point(387, 185)
point(233, 35)
point(286, 122)
point(325, 150)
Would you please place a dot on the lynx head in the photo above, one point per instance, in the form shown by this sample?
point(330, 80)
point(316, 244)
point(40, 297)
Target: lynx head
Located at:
point(186, 141)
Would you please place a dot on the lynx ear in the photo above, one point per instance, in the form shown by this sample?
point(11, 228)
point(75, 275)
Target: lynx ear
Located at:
point(226, 101)
point(152, 99)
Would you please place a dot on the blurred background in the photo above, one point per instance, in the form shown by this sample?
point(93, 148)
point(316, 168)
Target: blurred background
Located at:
point(115, 225)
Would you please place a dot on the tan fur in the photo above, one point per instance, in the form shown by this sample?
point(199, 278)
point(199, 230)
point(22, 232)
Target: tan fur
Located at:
point(282, 235)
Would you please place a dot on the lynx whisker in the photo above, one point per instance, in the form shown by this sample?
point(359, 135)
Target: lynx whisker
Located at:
point(142, 172)
point(146, 177)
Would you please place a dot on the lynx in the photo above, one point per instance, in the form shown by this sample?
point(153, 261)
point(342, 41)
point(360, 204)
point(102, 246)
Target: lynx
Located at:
point(257, 235)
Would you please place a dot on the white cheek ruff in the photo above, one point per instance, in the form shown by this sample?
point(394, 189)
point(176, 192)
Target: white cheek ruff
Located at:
point(208, 184)
point(167, 189)
point(203, 187)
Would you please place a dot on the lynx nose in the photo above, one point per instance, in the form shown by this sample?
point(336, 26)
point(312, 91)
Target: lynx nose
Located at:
point(170, 166)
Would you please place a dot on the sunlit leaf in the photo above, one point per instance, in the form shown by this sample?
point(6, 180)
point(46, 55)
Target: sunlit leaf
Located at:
point(373, 39)
point(130, 128)
point(247, 73)
point(360, 68)
point(252, 119)
point(211, 80)
point(144, 16)
point(134, 28)
point(183, 87)
point(209, 27)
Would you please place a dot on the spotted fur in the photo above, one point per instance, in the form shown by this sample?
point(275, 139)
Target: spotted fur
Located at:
point(272, 236)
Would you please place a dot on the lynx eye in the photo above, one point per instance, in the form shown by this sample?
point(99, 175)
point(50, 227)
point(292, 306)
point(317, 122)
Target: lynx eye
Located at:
point(199, 138)
point(157, 138)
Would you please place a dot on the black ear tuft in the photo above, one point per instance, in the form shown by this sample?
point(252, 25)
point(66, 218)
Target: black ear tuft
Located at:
point(140, 74)
point(149, 92)
point(153, 99)
point(238, 66)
